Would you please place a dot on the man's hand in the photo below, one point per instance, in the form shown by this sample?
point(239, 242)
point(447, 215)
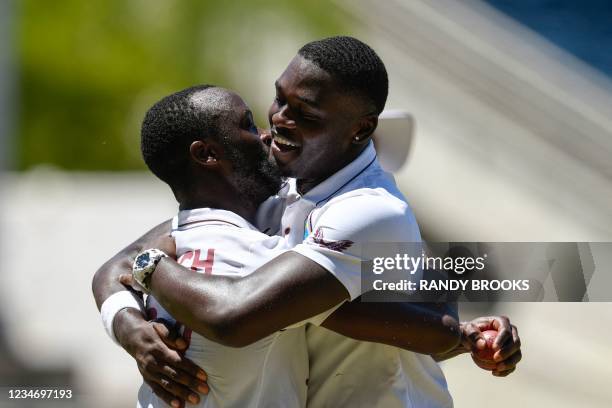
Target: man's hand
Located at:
point(173, 378)
point(128, 280)
point(507, 344)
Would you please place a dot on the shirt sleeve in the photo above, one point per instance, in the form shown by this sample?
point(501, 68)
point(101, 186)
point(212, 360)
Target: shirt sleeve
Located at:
point(342, 230)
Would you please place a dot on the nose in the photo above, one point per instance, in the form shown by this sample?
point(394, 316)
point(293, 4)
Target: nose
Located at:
point(281, 119)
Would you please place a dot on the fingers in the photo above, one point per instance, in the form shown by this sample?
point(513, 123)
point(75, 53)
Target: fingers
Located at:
point(162, 367)
point(153, 373)
point(510, 362)
point(165, 395)
point(484, 364)
point(511, 347)
point(169, 337)
point(507, 344)
point(126, 279)
point(474, 336)
point(192, 369)
point(501, 324)
point(181, 371)
point(183, 378)
point(503, 373)
point(504, 331)
point(179, 390)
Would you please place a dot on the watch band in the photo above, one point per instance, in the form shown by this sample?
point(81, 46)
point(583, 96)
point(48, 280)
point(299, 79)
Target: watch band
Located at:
point(144, 266)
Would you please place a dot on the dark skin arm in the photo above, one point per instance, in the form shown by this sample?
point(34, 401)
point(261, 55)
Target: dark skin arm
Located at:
point(174, 378)
point(237, 312)
point(419, 327)
point(429, 328)
point(291, 288)
point(287, 290)
point(105, 282)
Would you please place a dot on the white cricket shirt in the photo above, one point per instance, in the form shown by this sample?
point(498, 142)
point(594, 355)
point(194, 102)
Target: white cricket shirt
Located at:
point(359, 204)
point(271, 372)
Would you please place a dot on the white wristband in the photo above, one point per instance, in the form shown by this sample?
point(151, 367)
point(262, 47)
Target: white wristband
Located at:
point(113, 304)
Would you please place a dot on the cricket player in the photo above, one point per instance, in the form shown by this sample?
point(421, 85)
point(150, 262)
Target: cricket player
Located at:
point(214, 235)
point(326, 108)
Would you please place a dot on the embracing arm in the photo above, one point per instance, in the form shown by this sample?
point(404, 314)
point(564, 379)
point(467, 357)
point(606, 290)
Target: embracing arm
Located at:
point(290, 289)
point(172, 377)
point(105, 281)
point(429, 328)
point(237, 312)
point(426, 328)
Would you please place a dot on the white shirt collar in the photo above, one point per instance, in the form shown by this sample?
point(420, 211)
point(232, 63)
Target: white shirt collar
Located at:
point(185, 217)
point(328, 187)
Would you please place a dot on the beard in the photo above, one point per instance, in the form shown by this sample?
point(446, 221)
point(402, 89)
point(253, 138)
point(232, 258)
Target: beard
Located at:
point(256, 176)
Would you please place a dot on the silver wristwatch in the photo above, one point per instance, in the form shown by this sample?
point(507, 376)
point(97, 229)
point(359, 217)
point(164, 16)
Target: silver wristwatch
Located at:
point(144, 266)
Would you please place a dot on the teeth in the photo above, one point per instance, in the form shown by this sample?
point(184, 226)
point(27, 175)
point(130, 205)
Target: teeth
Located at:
point(284, 141)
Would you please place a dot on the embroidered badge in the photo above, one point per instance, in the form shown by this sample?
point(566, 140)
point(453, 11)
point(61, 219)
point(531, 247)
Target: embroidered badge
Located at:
point(338, 246)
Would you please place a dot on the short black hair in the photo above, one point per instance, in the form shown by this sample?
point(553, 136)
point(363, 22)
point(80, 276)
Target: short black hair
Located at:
point(353, 63)
point(169, 128)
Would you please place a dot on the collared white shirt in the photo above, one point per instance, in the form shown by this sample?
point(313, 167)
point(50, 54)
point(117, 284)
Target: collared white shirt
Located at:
point(329, 224)
point(271, 372)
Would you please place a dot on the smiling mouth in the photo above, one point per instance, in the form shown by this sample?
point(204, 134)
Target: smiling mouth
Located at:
point(284, 144)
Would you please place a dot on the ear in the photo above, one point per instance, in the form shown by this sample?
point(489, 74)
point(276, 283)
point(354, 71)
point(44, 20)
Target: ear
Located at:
point(205, 153)
point(364, 129)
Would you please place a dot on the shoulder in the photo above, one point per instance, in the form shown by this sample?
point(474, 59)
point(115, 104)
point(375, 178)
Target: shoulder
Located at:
point(376, 203)
point(374, 213)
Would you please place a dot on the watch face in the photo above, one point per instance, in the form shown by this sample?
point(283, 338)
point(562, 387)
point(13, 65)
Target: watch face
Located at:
point(143, 260)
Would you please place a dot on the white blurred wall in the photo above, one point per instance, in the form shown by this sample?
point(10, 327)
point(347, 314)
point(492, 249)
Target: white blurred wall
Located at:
point(56, 229)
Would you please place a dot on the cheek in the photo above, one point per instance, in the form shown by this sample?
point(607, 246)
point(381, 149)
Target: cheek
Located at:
point(271, 111)
point(317, 148)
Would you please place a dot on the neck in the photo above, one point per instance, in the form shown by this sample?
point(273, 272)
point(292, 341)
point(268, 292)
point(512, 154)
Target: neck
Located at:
point(305, 185)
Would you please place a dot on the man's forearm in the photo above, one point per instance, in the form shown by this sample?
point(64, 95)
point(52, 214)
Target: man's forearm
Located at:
point(237, 312)
point(425, 328)
point(458, 350)
point(105, 281)
point(461, 347)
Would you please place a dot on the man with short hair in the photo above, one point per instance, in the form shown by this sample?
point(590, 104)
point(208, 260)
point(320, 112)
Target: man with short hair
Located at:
point(326, 108)
point(203, 143)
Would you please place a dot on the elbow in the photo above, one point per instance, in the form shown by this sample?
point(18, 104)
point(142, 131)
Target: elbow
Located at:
point(99, 284)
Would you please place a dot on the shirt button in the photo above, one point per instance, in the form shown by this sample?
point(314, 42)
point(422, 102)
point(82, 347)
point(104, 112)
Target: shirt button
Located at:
point(287, 230)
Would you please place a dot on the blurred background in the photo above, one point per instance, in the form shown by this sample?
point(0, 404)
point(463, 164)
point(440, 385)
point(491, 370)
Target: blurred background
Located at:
point(512, 102)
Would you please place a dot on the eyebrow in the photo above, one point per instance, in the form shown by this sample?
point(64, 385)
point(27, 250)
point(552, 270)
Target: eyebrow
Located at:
point(304, 99)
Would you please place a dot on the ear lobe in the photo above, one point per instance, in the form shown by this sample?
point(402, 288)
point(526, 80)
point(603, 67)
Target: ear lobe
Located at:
point(203, 153)
point(367, 125)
